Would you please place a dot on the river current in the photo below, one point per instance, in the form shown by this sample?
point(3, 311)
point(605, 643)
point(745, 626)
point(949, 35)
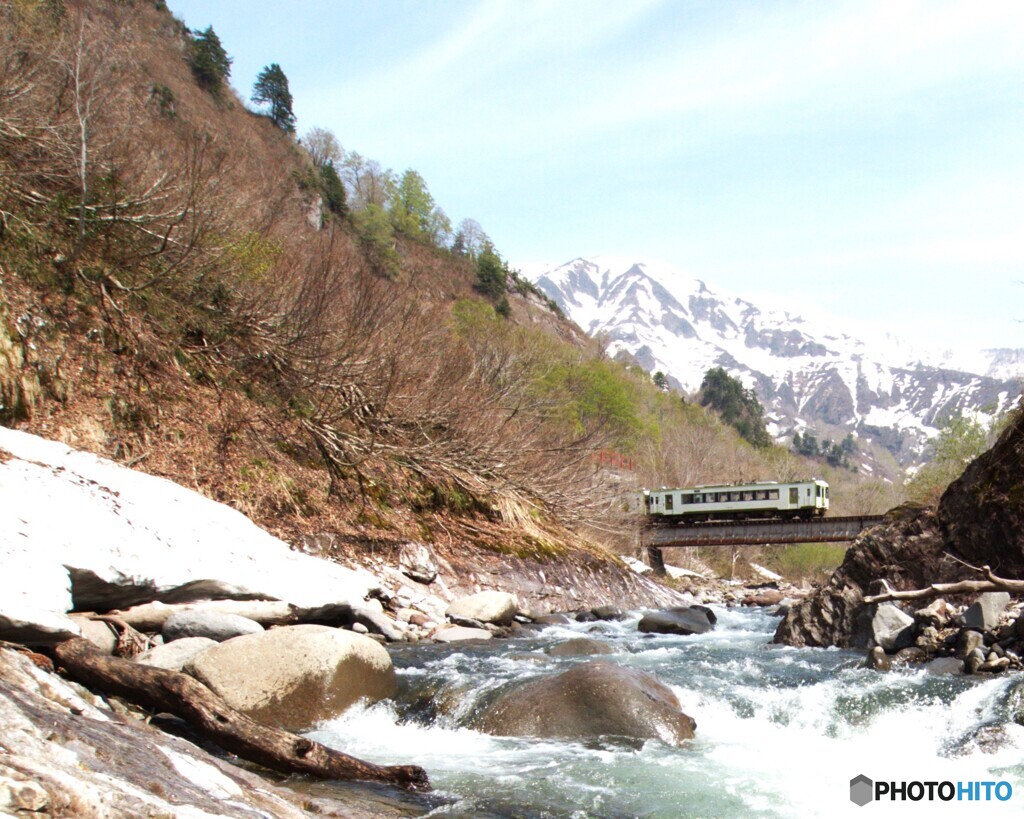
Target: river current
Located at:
point(780, 731)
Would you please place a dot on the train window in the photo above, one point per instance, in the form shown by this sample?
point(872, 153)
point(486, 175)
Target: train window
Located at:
point(686, 499)
point(668, 502)
point(773, 494)
point(698, 499)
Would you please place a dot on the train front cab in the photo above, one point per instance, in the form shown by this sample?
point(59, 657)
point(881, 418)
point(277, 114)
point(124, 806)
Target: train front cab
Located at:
point(821, 499)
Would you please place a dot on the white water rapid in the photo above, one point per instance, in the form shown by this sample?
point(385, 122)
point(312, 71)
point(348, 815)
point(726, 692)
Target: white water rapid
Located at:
point(780, 731)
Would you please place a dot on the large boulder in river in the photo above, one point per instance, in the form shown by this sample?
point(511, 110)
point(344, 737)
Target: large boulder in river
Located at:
point(494, 607)
point(980, 520)
point(596, 699)
point(296, 676)
point(689, 620)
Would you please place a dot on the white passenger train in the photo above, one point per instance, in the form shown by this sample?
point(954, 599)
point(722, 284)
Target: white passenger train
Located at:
point(803, 499)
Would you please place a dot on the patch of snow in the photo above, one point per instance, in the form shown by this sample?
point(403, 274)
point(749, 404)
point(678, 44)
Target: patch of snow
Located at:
point(768, 574)
point(675, 572)
point(63, 508)
point(636, 565)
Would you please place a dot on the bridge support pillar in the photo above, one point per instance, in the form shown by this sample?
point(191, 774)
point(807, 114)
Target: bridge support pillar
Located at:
point(656, 560)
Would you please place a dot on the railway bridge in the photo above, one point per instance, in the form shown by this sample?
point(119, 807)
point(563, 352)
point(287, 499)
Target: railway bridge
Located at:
point(753, 533)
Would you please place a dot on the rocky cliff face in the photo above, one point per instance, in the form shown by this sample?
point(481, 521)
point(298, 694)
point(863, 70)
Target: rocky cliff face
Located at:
point(982, 513)
point(980, 520)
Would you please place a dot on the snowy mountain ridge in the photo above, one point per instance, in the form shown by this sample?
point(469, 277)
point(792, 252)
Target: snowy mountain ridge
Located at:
point(809, 373)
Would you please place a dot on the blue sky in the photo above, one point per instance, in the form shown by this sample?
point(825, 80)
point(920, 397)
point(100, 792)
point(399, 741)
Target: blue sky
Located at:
point(859, 159)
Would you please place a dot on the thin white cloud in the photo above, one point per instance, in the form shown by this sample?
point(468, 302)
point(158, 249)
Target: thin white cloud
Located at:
point(823, 57)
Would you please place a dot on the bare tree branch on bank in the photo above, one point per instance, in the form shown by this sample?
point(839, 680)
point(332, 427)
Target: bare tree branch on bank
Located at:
point(192, 701)
point(990, 583)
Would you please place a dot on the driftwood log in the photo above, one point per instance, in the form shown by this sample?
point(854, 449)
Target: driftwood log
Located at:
point(189, 699)
point(990, 583)
point(150, 617)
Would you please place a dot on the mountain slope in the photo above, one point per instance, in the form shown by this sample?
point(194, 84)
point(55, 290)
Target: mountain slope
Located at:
point(808, 377)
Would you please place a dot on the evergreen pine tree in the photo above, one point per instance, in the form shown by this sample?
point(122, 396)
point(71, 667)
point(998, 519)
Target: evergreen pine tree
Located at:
point(210, 63)
point(491, 274)
point(738, 407)
point(271, 88)
point(333, 189)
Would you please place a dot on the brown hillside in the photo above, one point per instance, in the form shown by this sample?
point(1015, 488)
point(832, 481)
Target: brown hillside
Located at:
point(174, 298)
point(176, 295)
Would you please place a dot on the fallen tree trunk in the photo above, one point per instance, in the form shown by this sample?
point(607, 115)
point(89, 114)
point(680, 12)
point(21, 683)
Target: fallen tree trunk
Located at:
point(189, 699)
point(150, 617)
point(990, 583)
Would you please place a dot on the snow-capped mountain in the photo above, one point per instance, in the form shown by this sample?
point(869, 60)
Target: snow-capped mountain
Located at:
point(808, 375)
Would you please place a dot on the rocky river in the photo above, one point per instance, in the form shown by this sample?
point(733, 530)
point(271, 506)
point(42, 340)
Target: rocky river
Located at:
point(781, 731)
point(787, 713)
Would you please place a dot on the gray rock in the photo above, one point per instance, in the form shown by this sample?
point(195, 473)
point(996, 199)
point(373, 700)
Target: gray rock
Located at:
point(878, 659)
point(935, 614)
point(465, 622)
point(295, 676)
point(692, 620)
point(417, 562)
point(910, 655)
point(487, 607)
point(945, 665)
point(457, 634)
point(891, 628)
point(378, 623)
point(928, 639)
point(967, 641)
point(608, 613)
point(1014, 703)
point(983, 615)
point(596, 699)
point(175, 655)
point(994, 664)
point(214, 625)
point(97, 632)
point(580, 647)
point(974, 660)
